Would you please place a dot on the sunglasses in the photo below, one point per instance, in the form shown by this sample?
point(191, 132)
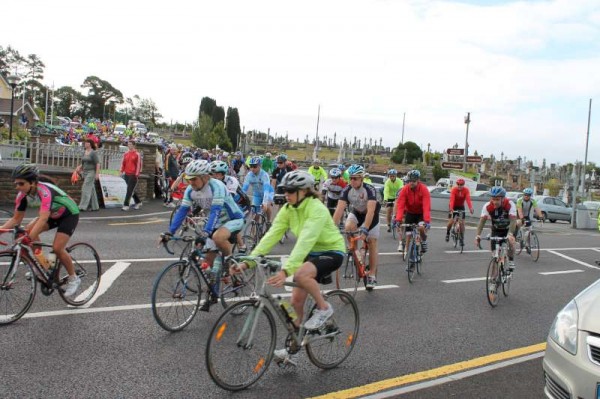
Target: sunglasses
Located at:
point(290, 190)
point(279, 163)
point(253, 166)
point(460, 185)
point(19, 184)
point(355, 178)
point(192, 178)
point(497, 198)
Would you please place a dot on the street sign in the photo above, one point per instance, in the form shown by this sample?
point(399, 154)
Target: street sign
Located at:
point(455, 151)
point(452, 165)
point(474, 159)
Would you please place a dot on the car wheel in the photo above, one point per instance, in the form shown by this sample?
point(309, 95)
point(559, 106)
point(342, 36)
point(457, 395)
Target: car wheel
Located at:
point(552, 220)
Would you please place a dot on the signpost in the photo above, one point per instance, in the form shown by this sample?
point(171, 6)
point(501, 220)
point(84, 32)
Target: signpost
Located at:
point(474, 159)
point(455, 151)
point(452, 165)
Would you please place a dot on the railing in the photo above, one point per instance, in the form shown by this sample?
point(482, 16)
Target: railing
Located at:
point(54, 155)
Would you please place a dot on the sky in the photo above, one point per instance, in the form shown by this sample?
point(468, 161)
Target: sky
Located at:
point(525, 70)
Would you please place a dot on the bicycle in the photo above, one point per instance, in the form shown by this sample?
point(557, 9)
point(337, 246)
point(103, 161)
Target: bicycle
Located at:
point(412, 250)
point(458, 237)
point(177, 291)
point(192, 224)
point(256, 229)
point(528, 240)
point(356, 267)
point(241, 343)
point(497, 274)
point(20, 272)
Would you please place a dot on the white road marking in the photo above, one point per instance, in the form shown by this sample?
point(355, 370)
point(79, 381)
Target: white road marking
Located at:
point(541, 249)
point(574, 260)
point(108, 278)
point(561, 272)
point(464, 280)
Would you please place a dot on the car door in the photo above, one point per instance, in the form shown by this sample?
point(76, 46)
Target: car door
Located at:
point(563, 212)
point(549, 205)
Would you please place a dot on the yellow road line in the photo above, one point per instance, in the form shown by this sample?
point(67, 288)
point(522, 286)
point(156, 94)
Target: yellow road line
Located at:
point(146, 222)
point(433, 373)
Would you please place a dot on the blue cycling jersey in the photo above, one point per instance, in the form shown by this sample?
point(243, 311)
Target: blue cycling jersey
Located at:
point(262, 191)
point(213, 196)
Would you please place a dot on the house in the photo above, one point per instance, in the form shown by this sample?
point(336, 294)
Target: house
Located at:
point(19, 106)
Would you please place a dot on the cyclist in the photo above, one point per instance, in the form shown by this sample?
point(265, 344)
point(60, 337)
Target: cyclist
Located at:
point(179, 185)
point(281, 168)
point(332, 189)
point(219, 170)
point(367, 179)
point(364, 215)
point(414, 199)
point(345, 174)
point(225, 217)
point(267, 163)
point(236, 164)
point(391, 187)
point(503, 214)
point(318, 173)
point(458, 196)
point(318, 252)
point(57, 210)
point(525, 205)
point(262, 191)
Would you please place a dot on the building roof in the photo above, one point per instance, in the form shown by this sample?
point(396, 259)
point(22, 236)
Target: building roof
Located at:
point(17, 108)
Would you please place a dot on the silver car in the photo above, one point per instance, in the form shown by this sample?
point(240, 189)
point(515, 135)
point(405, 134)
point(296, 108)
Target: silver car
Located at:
point(572, 360)
point(553, 208)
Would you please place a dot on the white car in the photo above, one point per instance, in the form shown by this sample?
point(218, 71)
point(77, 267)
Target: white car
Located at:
point(120, 129)
point(572, 359)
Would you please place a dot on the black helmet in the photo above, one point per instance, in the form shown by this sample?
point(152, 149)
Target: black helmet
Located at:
point(26, 171)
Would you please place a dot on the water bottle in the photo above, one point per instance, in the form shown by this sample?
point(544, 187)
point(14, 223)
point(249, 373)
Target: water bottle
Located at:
point(288, 309)
point(41, 258)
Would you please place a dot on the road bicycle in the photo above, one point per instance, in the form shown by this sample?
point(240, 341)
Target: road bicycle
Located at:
point(21, 271)
point(528, 240)
point(498, 274)
point(356, 267)
point(457, 231)
point(242, 342)
point(412, 250)
point(192, 225)
point(188, 285)
point(255, 228)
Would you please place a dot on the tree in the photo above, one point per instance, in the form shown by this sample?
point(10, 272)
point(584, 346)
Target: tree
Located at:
point(148, 111)
point(201, 137)
point(218, 115)
point(413, 153)
point(220, 137)
point(207, 105)
point(99, 93)
point(68, 101)
point(232, 126)
point(439, 173)
point(553, 186)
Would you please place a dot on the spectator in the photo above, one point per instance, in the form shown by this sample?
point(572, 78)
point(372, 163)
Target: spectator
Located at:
point(90, 169)
point(131, 168)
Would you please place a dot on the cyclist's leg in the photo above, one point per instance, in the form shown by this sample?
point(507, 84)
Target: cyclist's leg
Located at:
point(65, 229)
point(351, 222)
point(449, 225)
point(372, 240)
point(389, 207)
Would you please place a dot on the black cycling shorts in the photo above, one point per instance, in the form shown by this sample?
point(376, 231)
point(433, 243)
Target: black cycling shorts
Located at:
point(326, 263)
point(362, 216)
point(65, 224)
point(411, 218)
point(457, 209)
point(389, 203)
point(498, 233)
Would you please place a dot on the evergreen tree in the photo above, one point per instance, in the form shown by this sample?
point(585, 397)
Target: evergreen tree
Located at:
point(233, 127)
point(207, 105)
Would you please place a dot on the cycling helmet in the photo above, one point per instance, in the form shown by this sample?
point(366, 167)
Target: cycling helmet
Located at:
point(198, 167)
point(460, 182)
point(173, 146)
point(281, 158)
point(186, 158)
point(498, 191)
point(392, 172)
point(356, 170)
point(528, 191)
point(219, 167)
point(268, 154)
point(317, 162)
point(335, 172)
point(413, 175)
point(255, 161)
point(26, 171)
point(341, 167)
point(297, 179)
point(238, 154)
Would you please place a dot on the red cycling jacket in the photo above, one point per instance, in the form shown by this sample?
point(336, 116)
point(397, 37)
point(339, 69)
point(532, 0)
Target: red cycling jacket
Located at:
point(458, 198)
point(417, 201)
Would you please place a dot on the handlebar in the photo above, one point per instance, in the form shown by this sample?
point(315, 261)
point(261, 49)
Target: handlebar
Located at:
point(166, 238)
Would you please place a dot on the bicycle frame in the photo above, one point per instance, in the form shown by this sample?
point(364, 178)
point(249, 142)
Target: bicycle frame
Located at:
point(353, 250)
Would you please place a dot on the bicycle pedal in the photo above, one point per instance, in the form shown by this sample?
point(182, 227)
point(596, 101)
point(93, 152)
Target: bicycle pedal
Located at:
point(205, 307)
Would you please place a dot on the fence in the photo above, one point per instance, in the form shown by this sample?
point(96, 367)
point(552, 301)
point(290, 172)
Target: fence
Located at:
point(54, 155)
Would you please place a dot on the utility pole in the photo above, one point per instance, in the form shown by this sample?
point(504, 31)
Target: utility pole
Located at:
point(467, 122)
point(403, 119)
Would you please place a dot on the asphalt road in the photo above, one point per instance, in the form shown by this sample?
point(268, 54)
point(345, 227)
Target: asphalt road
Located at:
point(411, 335)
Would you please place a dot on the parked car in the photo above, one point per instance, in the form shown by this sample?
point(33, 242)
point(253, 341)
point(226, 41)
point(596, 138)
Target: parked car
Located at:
point(140, 128)
point(572, 359)
point(553, 208)
point(120, 129)
point(514, 195)
point(438, 190)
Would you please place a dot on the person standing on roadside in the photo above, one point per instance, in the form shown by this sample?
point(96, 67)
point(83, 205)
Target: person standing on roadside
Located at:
point(131, 167)
point(90, 169)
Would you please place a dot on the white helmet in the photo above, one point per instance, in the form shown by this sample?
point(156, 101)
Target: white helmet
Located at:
point(297, 179)
point(198, 167)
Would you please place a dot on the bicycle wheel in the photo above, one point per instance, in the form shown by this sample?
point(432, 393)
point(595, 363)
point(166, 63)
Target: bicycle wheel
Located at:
point(366, 267)
point(238, 287)
point(461, 239)
point(346, 277)
point(506, 278)
point(519, 241)
point(89, 270)
point(176, 295)
point(411, 259)
point(394, 232)
point(419, 260)
point(492, 283)
point(454, 235)
point(332, 344)
point(17, 291)
point(534, 246)
point(232, 361)
point(250, 235)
